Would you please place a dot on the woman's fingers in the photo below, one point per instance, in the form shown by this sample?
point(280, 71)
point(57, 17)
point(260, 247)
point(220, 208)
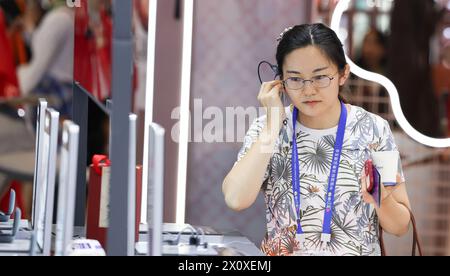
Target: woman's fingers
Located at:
point(271, 84)
point(268, 86)
point(367, 198)
point(269, 96)
point(363, 182)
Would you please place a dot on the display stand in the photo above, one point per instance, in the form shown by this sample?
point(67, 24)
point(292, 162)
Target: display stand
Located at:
point(122, 67)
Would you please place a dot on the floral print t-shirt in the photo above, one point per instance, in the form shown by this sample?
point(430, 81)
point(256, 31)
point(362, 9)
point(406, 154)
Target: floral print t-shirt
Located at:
point(354, 223)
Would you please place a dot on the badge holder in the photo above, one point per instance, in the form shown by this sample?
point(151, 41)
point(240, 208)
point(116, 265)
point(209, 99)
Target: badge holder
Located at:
point(300, 237)
point(325, 241)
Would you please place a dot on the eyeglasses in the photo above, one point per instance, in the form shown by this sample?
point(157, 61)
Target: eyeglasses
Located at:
point(296, 83)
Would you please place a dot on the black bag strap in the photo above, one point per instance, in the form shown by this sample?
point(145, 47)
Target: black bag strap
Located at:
point(416, 242)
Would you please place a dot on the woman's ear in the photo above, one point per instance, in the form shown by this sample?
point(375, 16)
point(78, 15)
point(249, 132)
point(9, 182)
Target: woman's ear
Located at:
point(343, 78)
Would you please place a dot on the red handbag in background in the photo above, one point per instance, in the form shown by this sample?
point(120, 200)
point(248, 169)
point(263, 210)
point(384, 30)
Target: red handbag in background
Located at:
point(98, 200)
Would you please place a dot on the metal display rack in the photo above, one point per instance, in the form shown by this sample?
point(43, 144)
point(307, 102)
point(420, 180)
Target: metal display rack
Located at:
point(119, 111)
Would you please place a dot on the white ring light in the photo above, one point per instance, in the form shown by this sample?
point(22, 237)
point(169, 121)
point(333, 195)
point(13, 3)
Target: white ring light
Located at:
point(341, 7)
point(188, 22)
point(149, 100)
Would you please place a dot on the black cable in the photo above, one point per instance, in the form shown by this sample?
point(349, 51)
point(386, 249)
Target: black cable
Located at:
point(192, 239)
point(273, 67)
point(276, 72)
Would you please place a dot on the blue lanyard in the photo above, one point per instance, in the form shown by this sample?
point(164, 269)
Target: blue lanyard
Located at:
point(329, 200)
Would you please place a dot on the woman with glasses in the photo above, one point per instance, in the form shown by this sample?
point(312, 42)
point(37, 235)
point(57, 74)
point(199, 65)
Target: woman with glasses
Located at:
point(308, 159)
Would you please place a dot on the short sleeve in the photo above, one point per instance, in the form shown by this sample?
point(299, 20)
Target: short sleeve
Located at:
point(387, 143)
point(46, 43)
point(250, 138)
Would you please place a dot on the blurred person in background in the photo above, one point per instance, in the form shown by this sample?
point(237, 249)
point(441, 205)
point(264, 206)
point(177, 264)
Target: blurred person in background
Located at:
point(50, 71)
point(22, 17)
point(13, 133)
point(373, 55)
point(30, 20)
point(42, 47)
point(373, 58)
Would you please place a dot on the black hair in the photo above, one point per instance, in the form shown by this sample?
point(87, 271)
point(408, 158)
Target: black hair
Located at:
point(382, 40)
point(381, 37)
point(317, 35)
point(11, 11)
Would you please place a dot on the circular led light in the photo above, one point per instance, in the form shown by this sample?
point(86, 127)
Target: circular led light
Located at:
point(21, 112)
point(446, 32)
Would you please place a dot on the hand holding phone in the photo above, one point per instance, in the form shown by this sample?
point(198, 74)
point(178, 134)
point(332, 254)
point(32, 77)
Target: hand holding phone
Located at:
point(368, 167)
point(373, 182)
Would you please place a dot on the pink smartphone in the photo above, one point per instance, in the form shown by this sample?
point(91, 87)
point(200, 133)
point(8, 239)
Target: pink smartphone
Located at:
point(376, 190)
point(368, 167)
point(374, 181)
